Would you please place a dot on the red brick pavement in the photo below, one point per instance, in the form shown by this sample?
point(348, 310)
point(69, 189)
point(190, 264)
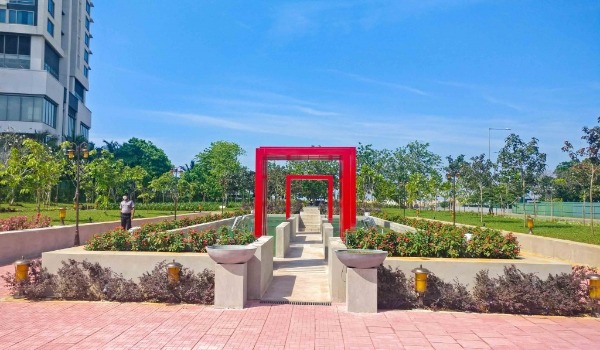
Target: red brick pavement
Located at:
point(104, 325)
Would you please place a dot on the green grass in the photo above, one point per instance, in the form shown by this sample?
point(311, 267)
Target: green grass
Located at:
point(571, 231)
point(28, 209)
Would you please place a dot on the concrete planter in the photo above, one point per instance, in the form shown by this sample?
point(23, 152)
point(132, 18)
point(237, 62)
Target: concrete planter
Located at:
point(361, 258)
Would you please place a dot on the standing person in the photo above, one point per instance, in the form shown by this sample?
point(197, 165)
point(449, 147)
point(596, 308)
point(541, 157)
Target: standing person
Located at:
point(127, 210)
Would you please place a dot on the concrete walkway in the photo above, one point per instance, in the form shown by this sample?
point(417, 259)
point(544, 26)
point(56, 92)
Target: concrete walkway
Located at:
point(302, 276)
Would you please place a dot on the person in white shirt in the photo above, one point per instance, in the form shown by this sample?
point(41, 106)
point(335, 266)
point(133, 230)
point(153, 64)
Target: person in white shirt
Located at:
point(127, 210)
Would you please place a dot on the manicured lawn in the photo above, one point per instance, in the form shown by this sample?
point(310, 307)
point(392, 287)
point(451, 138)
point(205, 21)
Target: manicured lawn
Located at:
point(29, 210)
point(556, 229)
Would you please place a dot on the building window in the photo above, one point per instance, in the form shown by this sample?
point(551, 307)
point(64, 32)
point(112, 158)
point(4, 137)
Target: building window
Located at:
point(2, 16)
point(87, 40)
point(86, 71)
point(15, 51)
point(79, 91)
point(84, 131)
point(51, 7)
point(28, 109)
point(86, 56)
point(71, 124)
point(87, 24)
point(49, 114)
point(51, 61)
point(50, 27)
point(20, 17)
point(88, 7)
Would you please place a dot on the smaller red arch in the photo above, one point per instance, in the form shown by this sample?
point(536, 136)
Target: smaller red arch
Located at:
point(288, 192)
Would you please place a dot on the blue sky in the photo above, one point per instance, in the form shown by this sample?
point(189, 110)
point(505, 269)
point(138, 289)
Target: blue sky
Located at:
point(301, 73)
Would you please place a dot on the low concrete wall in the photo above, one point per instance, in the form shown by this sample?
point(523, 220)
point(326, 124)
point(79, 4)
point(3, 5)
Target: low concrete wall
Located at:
point(465, 270)
point(32, 243)
point(135, 264)
point(215, 225)
point(282, 240)
point(130, 264)
point(393, 225)
point(260, 268)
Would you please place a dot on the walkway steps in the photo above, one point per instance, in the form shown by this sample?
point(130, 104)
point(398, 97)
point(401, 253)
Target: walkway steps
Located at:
point(303, 276)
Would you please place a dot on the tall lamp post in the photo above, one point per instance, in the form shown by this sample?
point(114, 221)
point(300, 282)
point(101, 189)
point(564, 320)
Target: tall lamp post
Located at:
point(490, 151)
point(452, 175)
point(176, 172)
point(76, 152)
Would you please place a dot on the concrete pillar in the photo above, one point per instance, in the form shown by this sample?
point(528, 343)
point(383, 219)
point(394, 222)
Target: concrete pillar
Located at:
point(260, 268)
point(282, 239)
point(361, 290)
point(231, 290)
point(337, 275)
point(327, 235)
point(292, 220)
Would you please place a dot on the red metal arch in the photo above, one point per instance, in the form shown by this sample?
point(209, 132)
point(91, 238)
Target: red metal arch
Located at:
point(288, 192)
point(345, 155)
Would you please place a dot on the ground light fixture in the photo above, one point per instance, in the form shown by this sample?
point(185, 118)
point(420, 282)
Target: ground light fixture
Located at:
point(530, 224)
point(174, 271)
point(21, 273)
point(594, 290)
point(62, 214)
point(421, 274)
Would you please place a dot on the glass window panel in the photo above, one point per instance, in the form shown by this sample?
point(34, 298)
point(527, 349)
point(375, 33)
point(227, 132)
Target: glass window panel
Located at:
point(87, 23)
point(37, 109)
point(51, 7)
point(1, 43)
point(27, 109)
point(2, 16)
point(11, 44)
point(24, 45)
point(14, 108)
point(3, 102)
point(50, 27)
point(12, 16)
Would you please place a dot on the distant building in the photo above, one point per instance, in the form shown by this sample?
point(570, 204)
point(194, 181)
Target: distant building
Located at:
point(45, 67)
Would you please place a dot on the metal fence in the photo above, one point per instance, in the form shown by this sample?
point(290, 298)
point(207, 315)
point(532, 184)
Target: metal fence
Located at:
point(558, 209)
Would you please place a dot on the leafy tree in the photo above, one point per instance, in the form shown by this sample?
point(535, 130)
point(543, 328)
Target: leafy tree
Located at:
point(453, 172)
point(478, 176)
point(522, 164)
point(106, 175)
point(138, 152)
point(312, 190)
point(588, 158)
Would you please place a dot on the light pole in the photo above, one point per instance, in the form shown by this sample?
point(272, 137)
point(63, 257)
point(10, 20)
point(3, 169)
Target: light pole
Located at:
point(452, 175)
point(176, 172)
point(490, 155)
point(77, 151)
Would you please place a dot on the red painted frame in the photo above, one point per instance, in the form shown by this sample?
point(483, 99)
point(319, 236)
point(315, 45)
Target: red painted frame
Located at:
point(345, 155)
point(288, 192)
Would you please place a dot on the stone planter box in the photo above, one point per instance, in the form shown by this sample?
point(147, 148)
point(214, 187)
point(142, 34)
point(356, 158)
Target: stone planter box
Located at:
point(464, 270)
point(32, 243)
point(135, 264)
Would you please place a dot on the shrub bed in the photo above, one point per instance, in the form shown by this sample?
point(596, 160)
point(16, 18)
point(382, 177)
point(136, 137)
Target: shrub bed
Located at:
point(23, 222)
point(514, 292)
point(156, 238)
point(87, 281)
point(436, 240)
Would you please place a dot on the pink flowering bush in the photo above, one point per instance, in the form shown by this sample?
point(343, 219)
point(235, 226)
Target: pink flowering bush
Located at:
point(23, 222)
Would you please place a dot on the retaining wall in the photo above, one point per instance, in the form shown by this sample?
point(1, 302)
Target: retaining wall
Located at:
point(32, 243)
point(282, 240)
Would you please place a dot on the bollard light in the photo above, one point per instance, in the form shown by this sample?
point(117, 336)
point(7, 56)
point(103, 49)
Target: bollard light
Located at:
point(173, 271)
point(421, 279)
point(530, 224)
point(22, 269)
point(594, 290)
point(62, 214)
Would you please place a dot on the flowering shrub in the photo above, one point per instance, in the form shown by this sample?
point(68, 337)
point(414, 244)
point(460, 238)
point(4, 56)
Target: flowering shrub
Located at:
point(435, 240)
point(24, 223)
point(156, 238)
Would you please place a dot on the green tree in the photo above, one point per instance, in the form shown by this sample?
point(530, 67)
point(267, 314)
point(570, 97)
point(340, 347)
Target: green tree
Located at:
point(521, 165)
point(588, 158)
point(143, 153)
point(478, 176)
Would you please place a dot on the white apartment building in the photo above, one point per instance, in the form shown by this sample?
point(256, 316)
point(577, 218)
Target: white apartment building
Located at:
point(45, 67)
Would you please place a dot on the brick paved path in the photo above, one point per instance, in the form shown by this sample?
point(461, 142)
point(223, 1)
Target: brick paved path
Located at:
point(99, 325)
